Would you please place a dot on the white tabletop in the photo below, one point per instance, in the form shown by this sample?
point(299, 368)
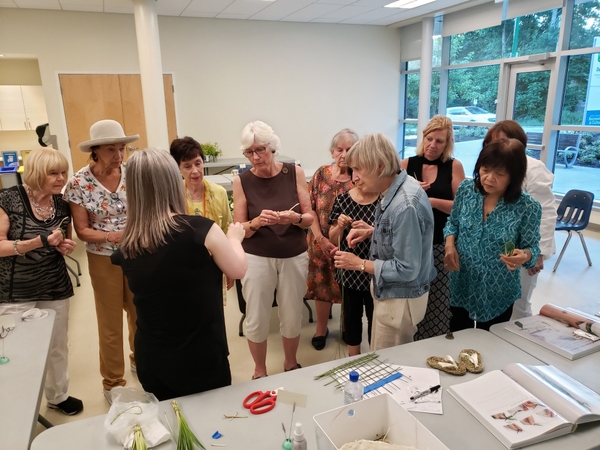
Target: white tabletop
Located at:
point(204, 412)
point(22, 379)
point(586, 370)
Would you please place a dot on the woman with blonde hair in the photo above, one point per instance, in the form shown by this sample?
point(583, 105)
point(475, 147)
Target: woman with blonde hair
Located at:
point(271, 201)
point(327, 183)
point(35, 233)
point(174, 264)
point(439, 174)
point(401, 259)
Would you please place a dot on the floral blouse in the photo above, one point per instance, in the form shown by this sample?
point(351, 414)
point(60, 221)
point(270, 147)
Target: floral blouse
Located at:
point(107, 211)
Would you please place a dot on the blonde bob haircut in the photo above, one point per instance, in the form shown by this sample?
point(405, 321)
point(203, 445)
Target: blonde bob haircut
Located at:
point(262, 134)
point(375, 154)
point(40, 163)
point(340, 135)
point(439, 123)
point(154, 195)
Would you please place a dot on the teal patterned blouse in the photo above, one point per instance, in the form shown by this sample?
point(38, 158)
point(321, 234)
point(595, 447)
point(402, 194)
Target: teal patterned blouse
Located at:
point(483, 285)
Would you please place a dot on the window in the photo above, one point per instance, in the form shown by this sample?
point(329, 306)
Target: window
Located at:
point(586, 24)
point(482, 45)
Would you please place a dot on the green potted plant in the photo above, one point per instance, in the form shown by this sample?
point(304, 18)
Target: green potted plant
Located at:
point(211, 151)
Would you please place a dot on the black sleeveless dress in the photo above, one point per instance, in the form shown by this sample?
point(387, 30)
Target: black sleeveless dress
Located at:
point(180, 342)
point(437, 317)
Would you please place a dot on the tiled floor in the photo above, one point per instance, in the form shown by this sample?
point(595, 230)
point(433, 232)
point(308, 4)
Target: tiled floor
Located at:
point(573, 283)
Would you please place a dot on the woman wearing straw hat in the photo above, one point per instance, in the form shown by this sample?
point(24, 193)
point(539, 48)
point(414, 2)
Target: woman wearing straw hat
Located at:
point(98, 201)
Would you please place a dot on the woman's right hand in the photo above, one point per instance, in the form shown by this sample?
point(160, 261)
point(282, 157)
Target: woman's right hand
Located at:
point(343, 220)
point(268, 217)
point(451, 261)
point(236, 232)
point(114, 237)
point(55, 238)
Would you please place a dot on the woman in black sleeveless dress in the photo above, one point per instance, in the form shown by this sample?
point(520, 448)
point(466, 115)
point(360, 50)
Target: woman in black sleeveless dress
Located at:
point(439, 175)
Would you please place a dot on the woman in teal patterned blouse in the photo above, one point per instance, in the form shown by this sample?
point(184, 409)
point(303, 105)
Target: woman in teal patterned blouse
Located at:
point(493, 229)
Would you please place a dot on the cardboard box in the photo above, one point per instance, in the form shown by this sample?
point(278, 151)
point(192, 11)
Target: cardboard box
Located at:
point(371, 419)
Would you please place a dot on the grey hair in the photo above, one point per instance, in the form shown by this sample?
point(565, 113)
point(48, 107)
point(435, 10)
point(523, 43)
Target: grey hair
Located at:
point(372, 153)
point(154, 195)
point(338, 137)
point(262, 133)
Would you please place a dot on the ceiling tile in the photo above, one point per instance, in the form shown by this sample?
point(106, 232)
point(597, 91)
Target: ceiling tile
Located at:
point(38, 4)
point(232, 16)
point(7, 4)
point(346, 12)
point(81, 5)
point(370, 16)
point(171, 7)
point(198, 14)
point(206, 6)
point(246, 7)
point(311, 12)
point(278, 10)
point(374, 4)
point(337, 2)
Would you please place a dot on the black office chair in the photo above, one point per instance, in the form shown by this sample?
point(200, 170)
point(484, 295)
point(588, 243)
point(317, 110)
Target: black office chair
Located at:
point(574, 215)
point(242, 305)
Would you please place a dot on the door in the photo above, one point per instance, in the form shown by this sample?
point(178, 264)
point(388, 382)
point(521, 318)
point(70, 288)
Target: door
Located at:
point(527, 101)
point(89, 98)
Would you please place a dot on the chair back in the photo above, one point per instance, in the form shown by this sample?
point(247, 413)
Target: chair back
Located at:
point(574, 210)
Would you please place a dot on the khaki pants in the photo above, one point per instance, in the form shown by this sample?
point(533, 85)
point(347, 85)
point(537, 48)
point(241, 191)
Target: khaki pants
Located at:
point(112, 297)
point(395, 320)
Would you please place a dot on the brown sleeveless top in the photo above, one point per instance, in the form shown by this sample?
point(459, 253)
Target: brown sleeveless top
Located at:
point(277, 193)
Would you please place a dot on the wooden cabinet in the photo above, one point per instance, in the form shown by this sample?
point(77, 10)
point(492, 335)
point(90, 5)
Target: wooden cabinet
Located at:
point(22, 107)
point(88, 98)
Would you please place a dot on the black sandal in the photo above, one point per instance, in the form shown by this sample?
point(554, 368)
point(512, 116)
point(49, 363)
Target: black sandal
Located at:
point(318, 342)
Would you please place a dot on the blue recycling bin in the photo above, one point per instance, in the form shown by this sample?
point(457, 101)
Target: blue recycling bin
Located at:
point(9, 176)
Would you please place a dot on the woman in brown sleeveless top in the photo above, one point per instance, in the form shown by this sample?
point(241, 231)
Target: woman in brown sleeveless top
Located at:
point(271, 201)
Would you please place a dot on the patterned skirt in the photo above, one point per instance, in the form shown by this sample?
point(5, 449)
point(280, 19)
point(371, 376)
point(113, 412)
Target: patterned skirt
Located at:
point(437, 317)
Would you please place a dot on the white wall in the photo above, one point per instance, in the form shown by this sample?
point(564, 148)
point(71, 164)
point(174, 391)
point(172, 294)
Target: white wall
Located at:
point(306, 80)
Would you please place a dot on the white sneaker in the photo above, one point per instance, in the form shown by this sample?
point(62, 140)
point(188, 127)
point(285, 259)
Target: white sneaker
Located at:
point(108, 396)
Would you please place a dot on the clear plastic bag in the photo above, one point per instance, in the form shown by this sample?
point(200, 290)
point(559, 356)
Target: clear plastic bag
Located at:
point(132, 407)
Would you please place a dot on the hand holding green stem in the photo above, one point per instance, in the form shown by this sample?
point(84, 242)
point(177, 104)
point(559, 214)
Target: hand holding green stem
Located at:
point(509, 248)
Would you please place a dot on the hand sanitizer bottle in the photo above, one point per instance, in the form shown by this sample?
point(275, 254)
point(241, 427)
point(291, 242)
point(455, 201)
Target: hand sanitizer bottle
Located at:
point(299, 442)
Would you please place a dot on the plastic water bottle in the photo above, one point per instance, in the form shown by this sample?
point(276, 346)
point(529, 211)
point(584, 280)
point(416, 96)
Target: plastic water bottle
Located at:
point(353, 391)
point(299, 442)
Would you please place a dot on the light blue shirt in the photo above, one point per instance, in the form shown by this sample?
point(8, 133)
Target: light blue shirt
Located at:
point(402, 243)
point(484, 286)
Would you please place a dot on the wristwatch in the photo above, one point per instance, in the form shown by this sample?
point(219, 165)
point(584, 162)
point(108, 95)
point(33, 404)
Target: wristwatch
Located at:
point(362, 266)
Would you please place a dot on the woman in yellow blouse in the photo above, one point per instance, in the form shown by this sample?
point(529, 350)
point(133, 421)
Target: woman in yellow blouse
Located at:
point(203, 198)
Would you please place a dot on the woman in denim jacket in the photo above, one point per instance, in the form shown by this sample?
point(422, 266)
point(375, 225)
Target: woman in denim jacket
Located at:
point(402, 242)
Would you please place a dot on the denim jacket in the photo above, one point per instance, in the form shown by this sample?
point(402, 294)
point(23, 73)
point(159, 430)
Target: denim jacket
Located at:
point(402, 243)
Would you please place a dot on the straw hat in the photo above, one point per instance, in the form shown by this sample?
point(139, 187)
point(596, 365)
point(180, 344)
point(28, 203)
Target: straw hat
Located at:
point(106, 132)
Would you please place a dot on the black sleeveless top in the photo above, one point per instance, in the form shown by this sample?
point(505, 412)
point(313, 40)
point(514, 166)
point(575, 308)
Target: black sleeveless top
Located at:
point(441, 188)
point(42, 273)
point(277, 193)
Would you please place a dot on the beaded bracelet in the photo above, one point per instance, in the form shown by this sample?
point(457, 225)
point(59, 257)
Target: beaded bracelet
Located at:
point(17, 252)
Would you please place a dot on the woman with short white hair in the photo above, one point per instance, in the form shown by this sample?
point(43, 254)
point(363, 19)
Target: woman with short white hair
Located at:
point(401, 259)
point(271, 201)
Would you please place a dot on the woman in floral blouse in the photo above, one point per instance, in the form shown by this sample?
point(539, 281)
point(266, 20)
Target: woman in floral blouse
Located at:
point(98, 202)
point(327, 183)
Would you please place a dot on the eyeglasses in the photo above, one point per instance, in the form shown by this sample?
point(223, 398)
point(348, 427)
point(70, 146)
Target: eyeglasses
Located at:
point(259, 151)
point(119, 205)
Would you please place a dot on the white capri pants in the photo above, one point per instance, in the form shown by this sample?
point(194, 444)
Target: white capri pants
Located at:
point(395, 320)
point(263, 277)
point(57, 378)
point(522, 307)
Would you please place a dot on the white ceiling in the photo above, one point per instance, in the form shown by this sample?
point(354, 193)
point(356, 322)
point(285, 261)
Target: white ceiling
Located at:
point(360, 12)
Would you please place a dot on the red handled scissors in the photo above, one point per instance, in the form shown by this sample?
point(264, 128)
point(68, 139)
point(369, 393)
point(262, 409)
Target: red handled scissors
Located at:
point(262, 401)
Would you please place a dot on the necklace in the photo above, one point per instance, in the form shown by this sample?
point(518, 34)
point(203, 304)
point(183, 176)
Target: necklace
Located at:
point(194, 201)
point(47, 213)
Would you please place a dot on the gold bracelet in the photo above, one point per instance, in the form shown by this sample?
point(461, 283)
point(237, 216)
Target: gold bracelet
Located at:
point(251, 227)
point(17, 252)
